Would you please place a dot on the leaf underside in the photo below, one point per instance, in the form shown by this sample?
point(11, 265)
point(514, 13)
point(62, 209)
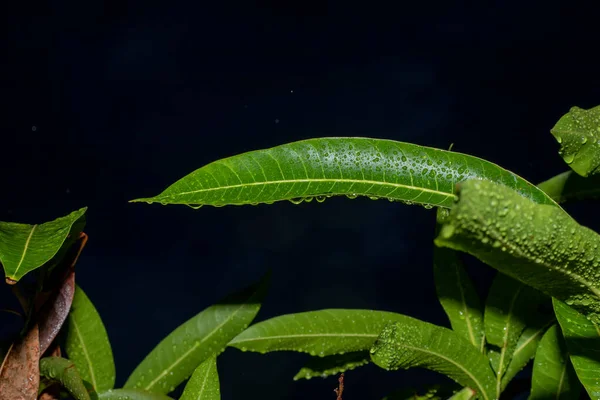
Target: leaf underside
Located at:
point(323, 367)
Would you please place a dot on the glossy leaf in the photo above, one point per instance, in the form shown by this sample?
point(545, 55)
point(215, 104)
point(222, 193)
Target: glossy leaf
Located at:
point(204, 383)
point(55, 310)
point(322, 333)
point(569, 186)
point(87, 343)
point(553, 375)
point(64, 371)
point(421, 344)
point(578, 133)
point(131, 394)
point(538, 245)
point(323, 367)
point(24, 248)
point(19, 372)
point(582, 338)
point(464, 394)
point(319, 168)
point(176, 357)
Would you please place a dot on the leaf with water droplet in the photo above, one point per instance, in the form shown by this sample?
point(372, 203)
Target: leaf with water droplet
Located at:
point(323, 367)
point(131, 394)
point(429, 392)
point(204, 383)
point(64, 371)
point(569, 186)
point(578, 133)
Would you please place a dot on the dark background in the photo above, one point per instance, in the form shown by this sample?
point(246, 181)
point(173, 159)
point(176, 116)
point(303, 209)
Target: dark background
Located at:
point(103, 102)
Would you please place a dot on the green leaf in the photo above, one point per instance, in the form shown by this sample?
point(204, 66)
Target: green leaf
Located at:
point(578, 133)
point(176, 357)
point(553, 375)
point(24, 248)
point(204, 383)
point(431, 392)
point(322, 333)
point(570, 186)
point(320, 168)
point(538, 245)
point(420, 344)
point(323, 367)
point(464, 394)
point(65, 372)
point(87, 343)
point(583, 342)
point(131, 394)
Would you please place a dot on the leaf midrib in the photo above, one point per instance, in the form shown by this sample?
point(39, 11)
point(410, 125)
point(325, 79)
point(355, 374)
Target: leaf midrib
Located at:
point(24, 251)
point(296, 336)
point(85, 353)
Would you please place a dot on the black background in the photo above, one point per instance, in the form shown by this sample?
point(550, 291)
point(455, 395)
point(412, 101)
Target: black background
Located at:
point(103, 102)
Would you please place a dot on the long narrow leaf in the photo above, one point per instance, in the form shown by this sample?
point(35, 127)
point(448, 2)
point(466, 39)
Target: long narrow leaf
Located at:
point(204, 383)
point(131, 394)
point(65, 372)
point(323, 367)
point(430, 392)
point(570, 186)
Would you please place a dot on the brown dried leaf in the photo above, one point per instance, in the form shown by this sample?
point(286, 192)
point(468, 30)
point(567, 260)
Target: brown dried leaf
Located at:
point(20, 372)
point(55, 310)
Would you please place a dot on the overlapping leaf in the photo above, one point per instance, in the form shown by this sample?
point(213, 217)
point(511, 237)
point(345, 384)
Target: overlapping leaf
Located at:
point(131, 394)
point(24, 248)
point(204, 383)
point(318, 168)
point(332, 365)
point(65, 372)
point(570, 186)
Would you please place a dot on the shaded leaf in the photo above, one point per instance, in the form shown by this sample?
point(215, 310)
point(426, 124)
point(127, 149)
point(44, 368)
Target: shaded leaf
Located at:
point(131, 394)
point(432, 392)
point(538, 245)
point(176, 357)
point(553, 375)
point(54, 311)
point(582, 338)
point(319, 168)
point(578, 133)
point(204, 383)
point(421, 344)
point(87, 343)
point(464, 394)
point(570, 186)
point(322, 333)
point(323, 367)
point(19, 373)
point(64, 371)
point(24, 248)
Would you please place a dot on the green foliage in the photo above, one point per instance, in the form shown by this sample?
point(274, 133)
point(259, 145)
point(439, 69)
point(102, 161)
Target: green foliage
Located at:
point(204, 383)
point(332, 365)
point(131, 394)
point(65, 372)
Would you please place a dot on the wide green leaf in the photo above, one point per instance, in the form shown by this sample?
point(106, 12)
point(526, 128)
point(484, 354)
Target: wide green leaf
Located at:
point(569, 186)
point(582, 338)
point(176, 357)
point(323, 367)
point(420, 344)
point(322, 333)
point(578, 133)
point(65, 372)
point(553, 375)
point(131, 394)
point(24, 248)
point(204, 383)
point(536, 244)
point(87, 343)
point(319, 168)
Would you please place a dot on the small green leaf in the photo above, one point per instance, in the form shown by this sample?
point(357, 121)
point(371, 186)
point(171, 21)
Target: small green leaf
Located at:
point(553, 375)
point(464, 394)
point(536, 244)
point(65, 372)
point(578, 133)
point(131, 394)
point(87, 343)
point(322, 333)
point(24, 248)
point(431, 392)
point(204, 383)
point(421, 344)
point(176, 357)
point(583, 343)
point(570, 186)
point(323, 367)
point(320, 168)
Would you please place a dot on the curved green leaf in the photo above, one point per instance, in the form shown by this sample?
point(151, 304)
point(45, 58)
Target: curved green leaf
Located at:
point(538, 245)
point(431, 392)
point(420, 344)
point(464, 394)
point(87, 343)
point(204, 383)
point(322, 333)
point(176, 357)
point(578, 133)
point(65, 372)
point(24, 248)
point(319, 168)
point(131, 394)
point(553, 375)
point(323, 367)
point(582, 338)
point(570, 186)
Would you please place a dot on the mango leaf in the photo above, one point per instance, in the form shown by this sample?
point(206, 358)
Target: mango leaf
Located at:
point(87, 343)
point(431, 392)
point(322, 333)
point(24, 248)
point(204, 383)
point(320, 168)
point(420, 344)
point(569, 186)
point(323, 367)
point(131, 394)
point(176, 357)
point(553, 375)
point(578, 133)
point(464, 394)
point(582, 338)
point(20, 372)
point(538, 245)
point(55, 310)
point(64, 371)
